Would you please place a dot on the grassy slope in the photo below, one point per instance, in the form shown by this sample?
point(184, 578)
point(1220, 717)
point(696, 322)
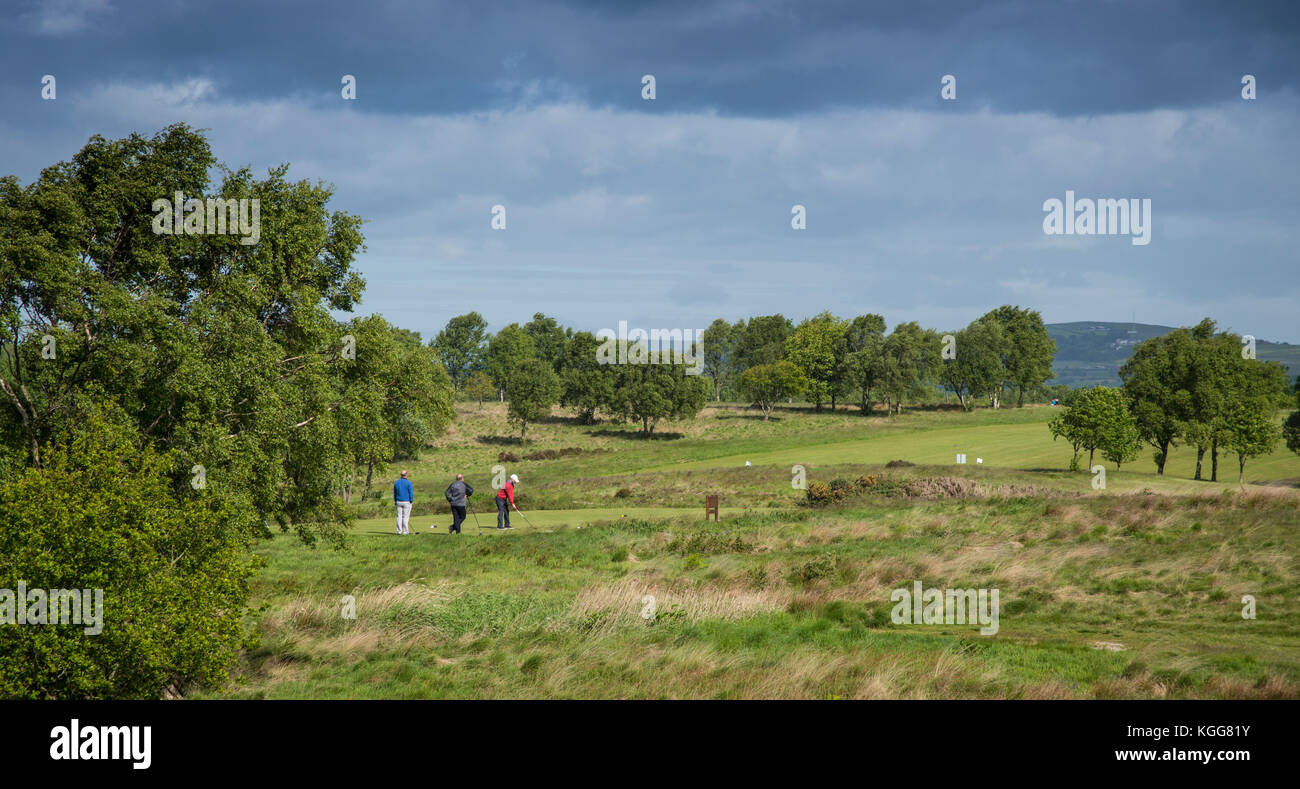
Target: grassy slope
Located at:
point(1103, 594)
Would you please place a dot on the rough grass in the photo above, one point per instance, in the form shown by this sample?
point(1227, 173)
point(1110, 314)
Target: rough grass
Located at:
point(1118, 596)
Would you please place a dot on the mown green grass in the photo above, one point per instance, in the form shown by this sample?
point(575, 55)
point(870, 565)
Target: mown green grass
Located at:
point(1134, 591)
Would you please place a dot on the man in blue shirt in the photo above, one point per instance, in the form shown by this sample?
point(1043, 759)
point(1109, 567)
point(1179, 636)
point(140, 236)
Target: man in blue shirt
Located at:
point(403, 497)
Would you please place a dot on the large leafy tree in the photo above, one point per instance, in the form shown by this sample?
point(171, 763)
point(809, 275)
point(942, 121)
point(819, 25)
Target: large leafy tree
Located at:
point(901, 369)
point(1158, 384)
point(549, 339)
point(648, 393)
point(719, 346)
point(762, 340)
point(1027, 350)
point(508, 349)
point(586, 384)
point(864, 342)
point(460, 346)
point(976, 371)
point(532, 389)
point(223, 352)
point(817, 348)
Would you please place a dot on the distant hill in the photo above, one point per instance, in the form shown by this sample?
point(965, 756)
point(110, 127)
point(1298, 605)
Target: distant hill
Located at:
point(1091, 352)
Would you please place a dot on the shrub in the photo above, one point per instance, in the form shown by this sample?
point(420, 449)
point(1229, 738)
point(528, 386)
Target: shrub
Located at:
point(821, 567)
point(622, 493)
point(507, 457)
point(819, 494)
point(104, 514)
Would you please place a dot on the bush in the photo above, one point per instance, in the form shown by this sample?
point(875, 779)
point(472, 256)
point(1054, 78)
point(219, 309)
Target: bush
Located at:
point(707, 542)
point(104, 514)
point(819, 494)
point(821, 567)
point(507, 457)
point(622, 493)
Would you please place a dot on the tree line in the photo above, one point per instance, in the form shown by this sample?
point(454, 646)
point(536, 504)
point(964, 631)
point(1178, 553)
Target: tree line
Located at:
point(541, 364)
point(826, 359)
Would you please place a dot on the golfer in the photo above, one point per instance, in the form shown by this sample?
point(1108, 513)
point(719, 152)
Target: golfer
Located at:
point(458, 494)
point(507, 493)
point(403, 497)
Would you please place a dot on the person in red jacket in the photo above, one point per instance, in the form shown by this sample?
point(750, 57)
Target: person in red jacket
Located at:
point(506, 494)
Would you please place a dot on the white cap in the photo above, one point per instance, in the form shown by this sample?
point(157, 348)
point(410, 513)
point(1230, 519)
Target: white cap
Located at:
point(514, 478)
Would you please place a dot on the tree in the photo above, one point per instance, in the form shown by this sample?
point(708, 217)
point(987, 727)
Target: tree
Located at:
point(460, 346)
point(1251, 433)
point(1098, 418)
point(587, 385)
point(508, 349)
point(1027, 351)
point(1157, 383)
point(898, 370)
point(864, 343)
point(533, 387)
point(549, 339)
point(648, 393)
point(223, 352)
point(976, 371)
point(719, 342)
point(816, 347)
point(480, 387)
point(1291, 429)
point(768, 384)
point(762, 340)
point(392, 398)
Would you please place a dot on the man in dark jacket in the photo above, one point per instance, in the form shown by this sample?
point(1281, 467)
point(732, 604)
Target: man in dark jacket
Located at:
point(458, 494)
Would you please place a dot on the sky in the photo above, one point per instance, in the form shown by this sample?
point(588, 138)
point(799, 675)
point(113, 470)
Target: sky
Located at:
point(674, 211)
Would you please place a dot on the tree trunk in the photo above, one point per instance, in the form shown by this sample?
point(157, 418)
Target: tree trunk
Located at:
point(370, 474)
point(1241, 469)
point(1020, 397)
point(1091, 452)
point(1164, 456)
point(1200, 453)
point(1214, 461)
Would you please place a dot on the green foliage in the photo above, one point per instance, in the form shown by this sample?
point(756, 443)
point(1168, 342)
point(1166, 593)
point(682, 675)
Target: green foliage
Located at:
point(479, 386)
point(587, 384)
point(719, 342)
point(1098, 419)
point(768, 384)
point(549, 339)
point(1027, 349)
point(223, 352)
point(648, 393)
point(101, 513)
point(977, 370)
point(533, 387)
point(761, 340)
point(817, 347)
point(460, 346)
point(508, 349)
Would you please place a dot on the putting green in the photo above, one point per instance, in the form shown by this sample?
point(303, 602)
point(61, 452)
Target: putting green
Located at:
point(538, 520)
